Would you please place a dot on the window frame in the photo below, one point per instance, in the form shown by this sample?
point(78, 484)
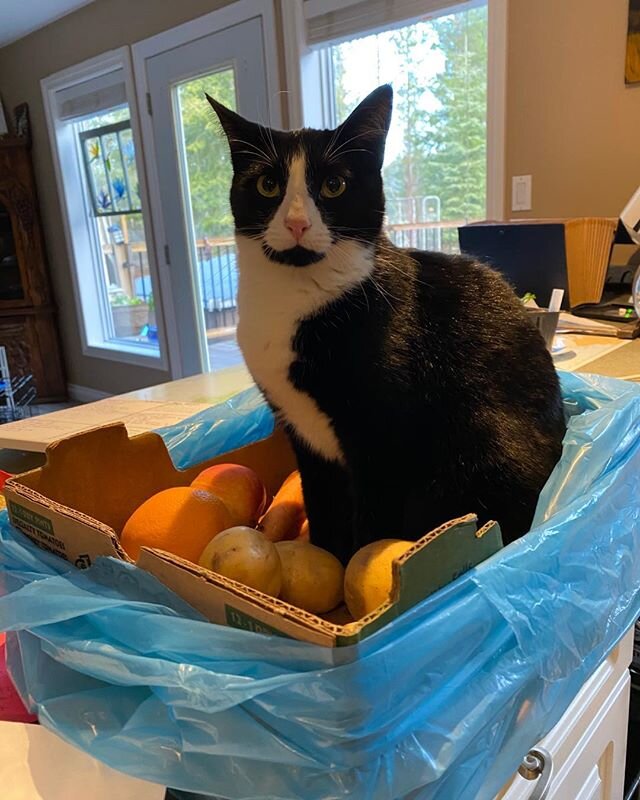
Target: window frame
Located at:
point(307, 70)
point(81, 241)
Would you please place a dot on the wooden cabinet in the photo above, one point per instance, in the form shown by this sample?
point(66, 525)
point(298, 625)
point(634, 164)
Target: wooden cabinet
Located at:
point(27, 316)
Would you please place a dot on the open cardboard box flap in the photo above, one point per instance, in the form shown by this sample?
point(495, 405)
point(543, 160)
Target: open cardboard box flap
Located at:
point(77, 504)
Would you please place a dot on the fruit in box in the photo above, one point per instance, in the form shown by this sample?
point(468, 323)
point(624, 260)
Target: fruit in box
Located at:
point(239, 488)
point(286, 515)
point(339, 616)
point(245, 555)
point(368, 579)
point(181, 520)
point(312, 578)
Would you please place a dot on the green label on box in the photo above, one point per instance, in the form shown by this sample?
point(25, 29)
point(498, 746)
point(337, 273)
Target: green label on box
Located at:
point(37, 528)
point(30, 518)
point(238, 619)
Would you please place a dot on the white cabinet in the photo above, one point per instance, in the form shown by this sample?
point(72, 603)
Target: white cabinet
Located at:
point(588, 745)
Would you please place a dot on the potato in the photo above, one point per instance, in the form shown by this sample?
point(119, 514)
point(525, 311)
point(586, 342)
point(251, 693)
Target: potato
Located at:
point(244, 555)
point(312, 578)
point(368, 579)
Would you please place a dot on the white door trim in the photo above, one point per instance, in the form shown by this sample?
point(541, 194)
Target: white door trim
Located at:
point(497, 108)
point(295, 48)
point(211, 23)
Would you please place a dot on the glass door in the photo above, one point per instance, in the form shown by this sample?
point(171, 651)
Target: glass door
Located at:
point(194, 173)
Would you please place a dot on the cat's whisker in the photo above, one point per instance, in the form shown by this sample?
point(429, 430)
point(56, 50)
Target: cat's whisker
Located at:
point(257, 150)
point(256, 160)
point(267, 138)
point(345, 152)
point(332, 141)
point(341, 145)
point(266, 128)
point(273, 144)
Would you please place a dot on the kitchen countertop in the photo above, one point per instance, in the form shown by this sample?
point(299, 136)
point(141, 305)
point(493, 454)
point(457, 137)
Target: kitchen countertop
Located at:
point(22, 443)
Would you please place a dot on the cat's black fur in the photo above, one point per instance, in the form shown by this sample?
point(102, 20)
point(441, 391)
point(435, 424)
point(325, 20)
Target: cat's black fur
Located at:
point(441, 392)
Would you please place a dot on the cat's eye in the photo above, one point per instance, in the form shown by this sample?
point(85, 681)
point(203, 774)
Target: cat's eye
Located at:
point(268, 186)
point(333, 186)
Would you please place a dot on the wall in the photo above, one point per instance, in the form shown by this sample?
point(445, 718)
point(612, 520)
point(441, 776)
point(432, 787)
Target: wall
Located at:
point(571, 122)
point(93, 29)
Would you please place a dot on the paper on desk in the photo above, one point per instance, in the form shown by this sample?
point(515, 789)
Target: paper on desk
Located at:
point(572, 324)
point(37, 765)
point(36, 433)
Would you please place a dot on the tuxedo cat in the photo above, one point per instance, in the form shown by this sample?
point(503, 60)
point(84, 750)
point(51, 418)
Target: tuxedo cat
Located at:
point(412, 385)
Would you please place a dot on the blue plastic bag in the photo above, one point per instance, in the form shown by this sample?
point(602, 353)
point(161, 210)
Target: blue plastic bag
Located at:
point(439, 705)
point(240, 420)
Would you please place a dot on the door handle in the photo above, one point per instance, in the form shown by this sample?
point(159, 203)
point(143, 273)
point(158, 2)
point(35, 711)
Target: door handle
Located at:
point(537, 766)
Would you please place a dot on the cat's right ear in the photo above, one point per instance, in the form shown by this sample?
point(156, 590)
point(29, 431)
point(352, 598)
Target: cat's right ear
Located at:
point(241, 134)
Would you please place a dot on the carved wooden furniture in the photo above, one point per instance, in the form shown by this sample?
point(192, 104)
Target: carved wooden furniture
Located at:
point(27, 316)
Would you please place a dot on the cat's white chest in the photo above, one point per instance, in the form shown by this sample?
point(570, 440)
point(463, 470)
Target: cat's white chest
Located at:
point(269, 361)
point(272, 300)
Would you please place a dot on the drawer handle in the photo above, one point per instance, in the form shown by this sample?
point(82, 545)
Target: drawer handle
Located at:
point(537, 765)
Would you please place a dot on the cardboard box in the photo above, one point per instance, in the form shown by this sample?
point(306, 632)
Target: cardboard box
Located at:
point(77, 504)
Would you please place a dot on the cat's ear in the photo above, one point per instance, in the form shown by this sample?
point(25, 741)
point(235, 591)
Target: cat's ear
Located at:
point(368, 124)
point(242, 134)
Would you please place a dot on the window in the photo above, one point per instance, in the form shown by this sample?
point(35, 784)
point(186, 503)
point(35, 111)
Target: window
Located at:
point(435, 169)
point(206, 178)
point(98, 173)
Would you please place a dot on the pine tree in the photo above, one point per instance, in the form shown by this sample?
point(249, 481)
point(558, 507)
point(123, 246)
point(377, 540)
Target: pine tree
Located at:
point(457, 130)
point(445, 149)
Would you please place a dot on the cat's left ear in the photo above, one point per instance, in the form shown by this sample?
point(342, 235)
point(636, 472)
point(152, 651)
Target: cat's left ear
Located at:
point(240, 131)
point(368, 124)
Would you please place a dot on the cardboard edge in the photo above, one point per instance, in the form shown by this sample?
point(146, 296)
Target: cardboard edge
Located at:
point(212, 594)
point(21, 497)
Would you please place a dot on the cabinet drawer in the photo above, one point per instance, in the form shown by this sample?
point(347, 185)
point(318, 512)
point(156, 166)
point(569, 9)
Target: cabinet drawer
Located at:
point(588, 744)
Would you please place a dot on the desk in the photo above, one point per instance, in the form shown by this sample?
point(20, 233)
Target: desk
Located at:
point(142, 410)
point(603, 355)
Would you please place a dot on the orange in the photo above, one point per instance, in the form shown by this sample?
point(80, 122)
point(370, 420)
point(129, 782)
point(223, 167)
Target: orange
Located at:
point(181, 520)
point(239, 488)
point(286, 515)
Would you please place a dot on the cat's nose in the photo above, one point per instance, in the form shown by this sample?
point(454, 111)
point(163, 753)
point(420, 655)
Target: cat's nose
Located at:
point(298, 226)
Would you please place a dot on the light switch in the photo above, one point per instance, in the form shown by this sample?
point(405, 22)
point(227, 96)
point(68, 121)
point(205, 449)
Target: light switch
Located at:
point(521, 193)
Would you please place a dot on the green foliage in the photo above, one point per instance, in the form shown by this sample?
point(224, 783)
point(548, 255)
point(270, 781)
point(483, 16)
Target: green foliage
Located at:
point(207, 152)
point(405, 177)
point(122, 299)
point(343, 107)
point(445, 148)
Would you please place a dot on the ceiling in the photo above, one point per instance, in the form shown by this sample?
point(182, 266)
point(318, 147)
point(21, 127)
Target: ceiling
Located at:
point(20, 17)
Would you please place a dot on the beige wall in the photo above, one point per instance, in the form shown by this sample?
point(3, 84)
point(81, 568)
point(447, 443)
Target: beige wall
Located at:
point(90, 31)
point(571, 122)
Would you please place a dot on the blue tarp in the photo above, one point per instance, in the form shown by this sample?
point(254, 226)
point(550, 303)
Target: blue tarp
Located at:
point(439, 705)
